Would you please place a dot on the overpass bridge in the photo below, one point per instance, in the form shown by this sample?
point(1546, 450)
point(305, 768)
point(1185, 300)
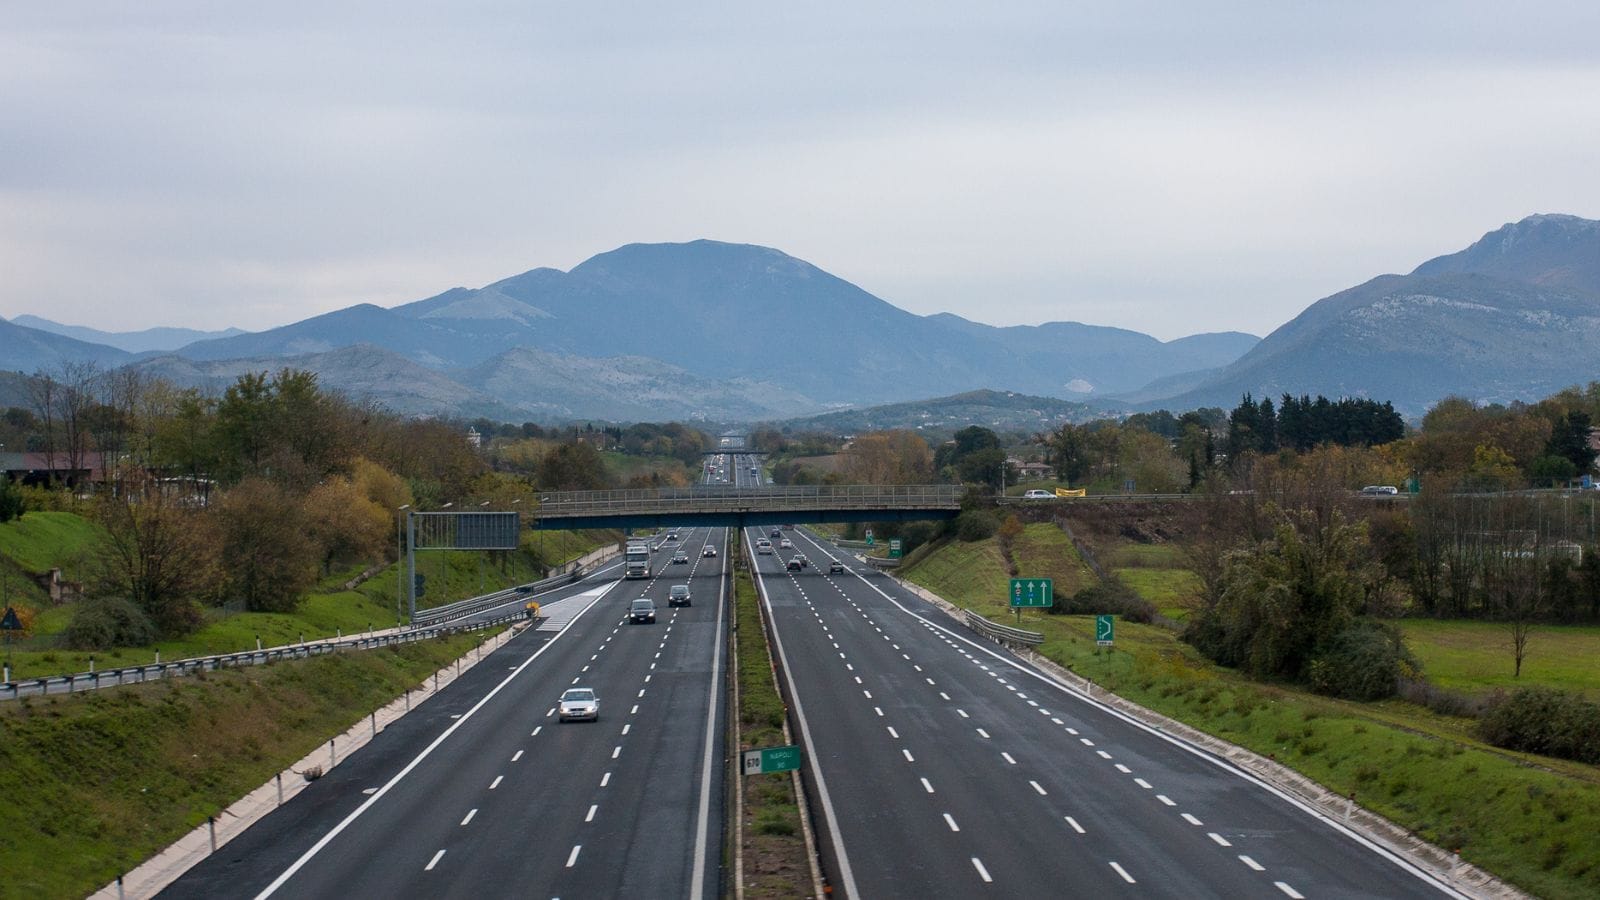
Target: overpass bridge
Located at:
point(736, 507)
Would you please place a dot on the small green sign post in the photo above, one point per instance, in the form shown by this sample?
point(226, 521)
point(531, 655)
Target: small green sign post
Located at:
point(770, 759)
point(1104, 629)
point(894, 548)
point(869, 537)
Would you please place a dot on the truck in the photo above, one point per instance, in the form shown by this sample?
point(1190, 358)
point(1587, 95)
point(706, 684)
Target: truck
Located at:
point(636, 560)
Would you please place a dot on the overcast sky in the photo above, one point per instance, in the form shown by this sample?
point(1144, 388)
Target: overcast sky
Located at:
point(1166, 167)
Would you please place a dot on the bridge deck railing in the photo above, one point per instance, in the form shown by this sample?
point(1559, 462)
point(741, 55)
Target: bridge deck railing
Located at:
point(716, 498)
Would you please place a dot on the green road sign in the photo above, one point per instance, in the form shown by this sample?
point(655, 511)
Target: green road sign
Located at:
point(869, 537)
point(1032, 592)
point(1104, 628)
point(770, 759)
point(894, 548)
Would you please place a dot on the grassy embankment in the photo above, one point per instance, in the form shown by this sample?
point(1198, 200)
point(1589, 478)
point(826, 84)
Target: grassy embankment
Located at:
point(96, 783)
point(40, 541)
point(1474, 657)
point(1155, 572)
point(775, 862)
point(1531, 820)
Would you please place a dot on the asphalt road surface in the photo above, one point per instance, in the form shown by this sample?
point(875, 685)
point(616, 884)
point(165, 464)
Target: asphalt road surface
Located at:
point(947, 768)
point(482, 792)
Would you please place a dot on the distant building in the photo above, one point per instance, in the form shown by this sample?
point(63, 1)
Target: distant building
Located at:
point(43, 469)
point(473, 437)
point(1035, 471)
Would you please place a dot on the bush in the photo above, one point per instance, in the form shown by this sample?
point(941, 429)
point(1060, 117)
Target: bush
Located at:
point(12, 504)
point(1547, 721)
point(1363, 662)
point(1107, 597)
point(1441, 701)
point(103, 623)
point(976, 524)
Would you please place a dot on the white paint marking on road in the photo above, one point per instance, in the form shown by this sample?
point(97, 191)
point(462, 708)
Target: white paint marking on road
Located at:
point(1072, 731)
point(641, 692)
point(575, 680)
point(963, 713)
point(943, 695)
point(909, 757)
point(982, 733)
point(927, 786)
point(626, 727)
point(590, 816)
point(917, 667)
point(1142, 783)
point(1189, 817)
point(584, 669)
point(948, 820)
point(1087, 742)
point(982, 872)
point(496, 783)
point(470, 813)
point(1057, 721)
point(605, 779)
point(647, 678)
point(850, 667)
point(549, 712)
point(1221, 841)
point(535, 732)
point(1102, 754)
point(1289, 891)
point(1075, 826)
point(1124, 873)
point(868, 694)
point(369, 791)
point(892, 733)
point(616, 751)
point(1165, 800)
point(878, 710)
point(1124, 769)
point(1037, 787)
point(516, 756)
point(858, 680)
point(573, 858)
point(433, 862)
point(634, 711)
point(1252, 863)
point(928, 680)
point(1008, 757)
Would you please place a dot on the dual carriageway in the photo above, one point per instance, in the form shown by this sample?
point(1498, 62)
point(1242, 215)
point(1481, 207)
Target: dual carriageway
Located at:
point(937, 765)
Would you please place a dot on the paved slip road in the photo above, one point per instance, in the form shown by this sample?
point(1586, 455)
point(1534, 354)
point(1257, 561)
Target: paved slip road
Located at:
point(950, 769)
point(482, 792)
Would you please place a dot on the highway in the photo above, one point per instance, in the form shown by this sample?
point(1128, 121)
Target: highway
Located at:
point(481, 791)
point(948, 768)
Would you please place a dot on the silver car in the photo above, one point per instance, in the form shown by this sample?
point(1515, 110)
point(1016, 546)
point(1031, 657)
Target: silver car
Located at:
point(579, 703)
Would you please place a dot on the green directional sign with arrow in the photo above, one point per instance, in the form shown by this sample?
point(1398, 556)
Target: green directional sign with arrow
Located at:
point(1032, 592)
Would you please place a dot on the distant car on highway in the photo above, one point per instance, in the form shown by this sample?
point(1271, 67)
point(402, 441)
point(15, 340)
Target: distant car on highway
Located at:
point(678, 595)
point(785, 544)
point(835, 567)
point(579, 703)
point(1380, 490)
point(680, 558)
point(794, 565)
point(708, 551)
point(642, 610)
point(763, 546)
point(1039, 495)
point(672, 535)
point(776, 533)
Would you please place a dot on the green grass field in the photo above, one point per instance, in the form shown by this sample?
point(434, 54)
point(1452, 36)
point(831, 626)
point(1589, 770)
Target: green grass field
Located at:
point(1534, 821)
point(1476, 656)
point(40, 541)
point(96, 783)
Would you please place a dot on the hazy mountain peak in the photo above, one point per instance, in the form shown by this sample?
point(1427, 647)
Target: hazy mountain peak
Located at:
point(1550, 250)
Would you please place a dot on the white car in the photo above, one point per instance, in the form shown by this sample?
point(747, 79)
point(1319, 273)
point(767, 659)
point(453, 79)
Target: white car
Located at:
point(579, 703)
point(1039, 495)
point(1380, 490)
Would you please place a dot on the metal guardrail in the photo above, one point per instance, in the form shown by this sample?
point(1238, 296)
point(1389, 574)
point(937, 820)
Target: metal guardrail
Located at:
point(1005, 634)
point(477, 604)
point(89, 681)
point(773, 498)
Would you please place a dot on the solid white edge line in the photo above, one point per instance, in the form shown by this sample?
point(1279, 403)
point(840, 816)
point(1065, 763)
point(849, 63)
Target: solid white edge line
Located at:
point(323, 842)
point(846, 874)
point(697, 882)
point(1393, 856)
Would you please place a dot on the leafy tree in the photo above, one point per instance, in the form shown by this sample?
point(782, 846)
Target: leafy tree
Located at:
point(1569, 440)
point(12, 503)
point(344, 525)
point(268, 557)
point(572, 467)
point(156, 553)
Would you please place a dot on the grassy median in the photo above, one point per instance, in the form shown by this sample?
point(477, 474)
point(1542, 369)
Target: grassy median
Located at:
point(776, 862)
point(98, 782)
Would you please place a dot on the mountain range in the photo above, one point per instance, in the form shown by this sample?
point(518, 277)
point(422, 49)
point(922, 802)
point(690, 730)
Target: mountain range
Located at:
point(734, 332)
point(1515, 316)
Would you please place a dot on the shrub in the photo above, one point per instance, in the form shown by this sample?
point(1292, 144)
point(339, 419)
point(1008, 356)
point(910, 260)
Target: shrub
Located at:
point(976, 524)
point(1107, 597)
point(107, 622)
point(12, 504)
point(1365, 661)
point(1547, 721)
point(1444, 702)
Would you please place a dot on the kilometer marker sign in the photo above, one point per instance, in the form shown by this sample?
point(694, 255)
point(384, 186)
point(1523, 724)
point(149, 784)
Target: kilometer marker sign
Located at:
point(769, 759)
